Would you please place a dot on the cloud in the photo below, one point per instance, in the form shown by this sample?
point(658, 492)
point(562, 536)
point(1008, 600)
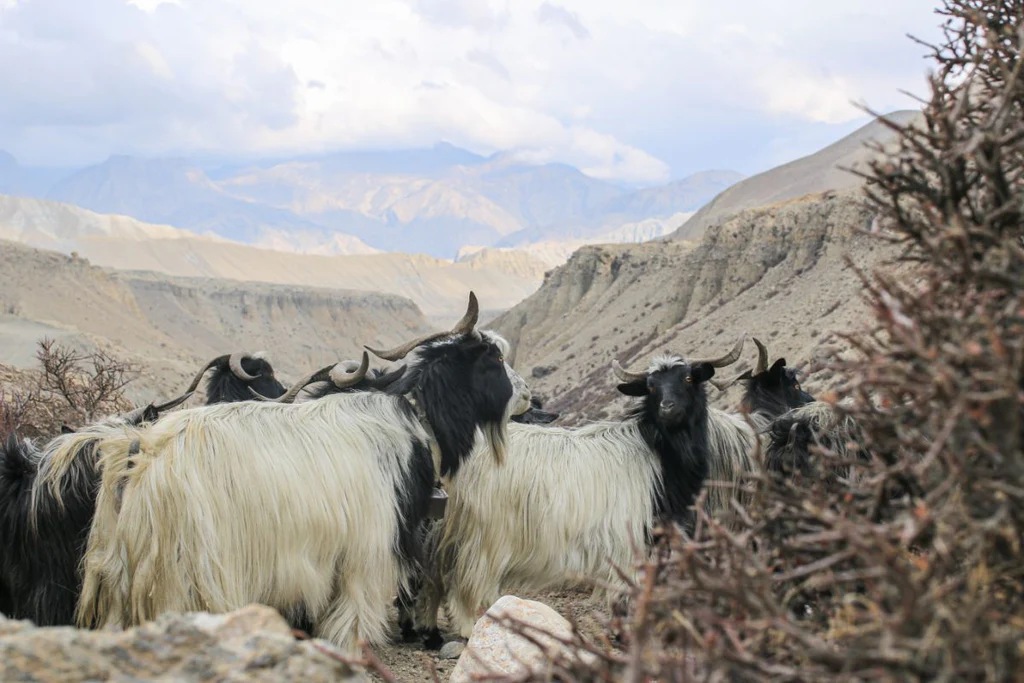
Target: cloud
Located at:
point(555, 14)
point(637, 91)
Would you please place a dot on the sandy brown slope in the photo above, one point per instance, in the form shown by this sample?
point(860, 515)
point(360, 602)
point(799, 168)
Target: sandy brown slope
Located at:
point(439, 287)
point(818, 172)
point(776, 273)
point(172, 325)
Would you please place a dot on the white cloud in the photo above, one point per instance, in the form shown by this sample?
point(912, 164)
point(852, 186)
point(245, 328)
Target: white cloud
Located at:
point(622, 90)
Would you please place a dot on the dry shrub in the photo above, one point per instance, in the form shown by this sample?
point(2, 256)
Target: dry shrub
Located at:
point(908, 566)
point(70, 388)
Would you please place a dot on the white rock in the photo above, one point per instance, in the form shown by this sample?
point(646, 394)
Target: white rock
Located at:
point(452, 650)
point(495, 649)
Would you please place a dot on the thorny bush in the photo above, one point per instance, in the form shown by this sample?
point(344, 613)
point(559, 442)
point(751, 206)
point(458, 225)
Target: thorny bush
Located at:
point(70, 388)
point(907, 566)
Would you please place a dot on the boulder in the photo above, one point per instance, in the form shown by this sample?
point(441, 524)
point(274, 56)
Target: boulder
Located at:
point(251, 644)
point(494, 649)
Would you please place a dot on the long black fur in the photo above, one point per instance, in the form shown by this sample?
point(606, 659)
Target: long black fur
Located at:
point(774, 391)
point(679, 438)
point(461, 385)
point(223, 386)
point(40, 578)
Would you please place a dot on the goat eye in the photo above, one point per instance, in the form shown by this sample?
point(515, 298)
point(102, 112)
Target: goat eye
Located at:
point(501, 359)
point(689, 379)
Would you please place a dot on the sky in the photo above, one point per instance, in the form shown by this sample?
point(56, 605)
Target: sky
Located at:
point(637, 91)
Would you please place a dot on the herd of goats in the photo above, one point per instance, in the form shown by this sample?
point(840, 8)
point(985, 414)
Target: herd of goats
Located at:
point(439, 480)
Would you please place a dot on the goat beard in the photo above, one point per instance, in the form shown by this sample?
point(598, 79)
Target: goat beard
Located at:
point(496, 434)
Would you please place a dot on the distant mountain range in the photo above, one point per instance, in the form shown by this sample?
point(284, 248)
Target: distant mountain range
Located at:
point(435, 201)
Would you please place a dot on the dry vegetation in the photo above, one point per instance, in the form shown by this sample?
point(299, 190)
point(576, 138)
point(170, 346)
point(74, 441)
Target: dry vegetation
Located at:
point(907, 566)
point(70, 389)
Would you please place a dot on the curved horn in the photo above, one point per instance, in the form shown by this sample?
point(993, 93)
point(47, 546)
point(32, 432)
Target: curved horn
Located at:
point(722, 361)
point(627, 376)
point(235, 363)
point(468, 322)
point(344, 378)
point(321, 375)
point(400, 352)
point(762, 357)
point(464, 326)
point(219, 360)
point(723, 385)
point(336, 373)
point(174, 402)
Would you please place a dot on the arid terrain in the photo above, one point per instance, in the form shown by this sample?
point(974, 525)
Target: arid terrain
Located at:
point(768, 257)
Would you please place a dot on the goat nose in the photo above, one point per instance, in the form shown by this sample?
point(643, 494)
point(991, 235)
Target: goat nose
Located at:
point(668, 405)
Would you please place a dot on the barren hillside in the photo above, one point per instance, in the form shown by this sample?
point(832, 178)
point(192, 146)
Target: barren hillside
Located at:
point(172, 325)
point(818, 172)
point(776, 273)
point(437, 286)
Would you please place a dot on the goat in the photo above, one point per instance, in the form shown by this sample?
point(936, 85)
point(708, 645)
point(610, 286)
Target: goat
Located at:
point(793, 434)
point(735, 447)
point(312, 506)
point(48, 495)
point(235, 376)
point(569, 502)
point(47, 499)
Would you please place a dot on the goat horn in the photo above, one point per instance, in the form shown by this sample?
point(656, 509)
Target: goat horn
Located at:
point(762, 357)
point(464, 326)
point(235, 363)
point(174, 402)
point(468, 322)
point(722, 361)
point(340, 374)
point(199, 375)
point(627, 376)
point(343, 377)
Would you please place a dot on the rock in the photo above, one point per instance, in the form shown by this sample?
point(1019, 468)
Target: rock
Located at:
point(494, 649)
point(452, 650)
point(251, 644)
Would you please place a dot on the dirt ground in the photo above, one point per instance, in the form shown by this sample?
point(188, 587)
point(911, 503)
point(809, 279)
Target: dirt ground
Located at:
point(411, 662)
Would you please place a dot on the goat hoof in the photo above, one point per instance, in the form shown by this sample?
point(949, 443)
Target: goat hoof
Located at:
point(409, 632)
point(433, 640)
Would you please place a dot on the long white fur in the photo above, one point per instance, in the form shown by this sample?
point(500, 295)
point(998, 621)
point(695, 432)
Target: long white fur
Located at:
point(230, 504)
point(733, 452)
point(565, 504)
point(58, 456)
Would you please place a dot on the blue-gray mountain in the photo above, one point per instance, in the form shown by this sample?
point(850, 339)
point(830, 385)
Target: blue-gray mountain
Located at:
point(434, 201)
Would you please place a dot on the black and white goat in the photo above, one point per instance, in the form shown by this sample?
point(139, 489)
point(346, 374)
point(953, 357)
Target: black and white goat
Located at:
point(235, 376)
point(314, 504)
point(817, 429)
point(569, 503)
point(48, 495)
point(735, 438)
point(47, 500)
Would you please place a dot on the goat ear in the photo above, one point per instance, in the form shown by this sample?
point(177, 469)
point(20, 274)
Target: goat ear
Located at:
point(777, 368)
point(477, 350)
point(702, 372)
point(386, 380)
point(64, 429)
point(746, 375)
point(638, 388)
